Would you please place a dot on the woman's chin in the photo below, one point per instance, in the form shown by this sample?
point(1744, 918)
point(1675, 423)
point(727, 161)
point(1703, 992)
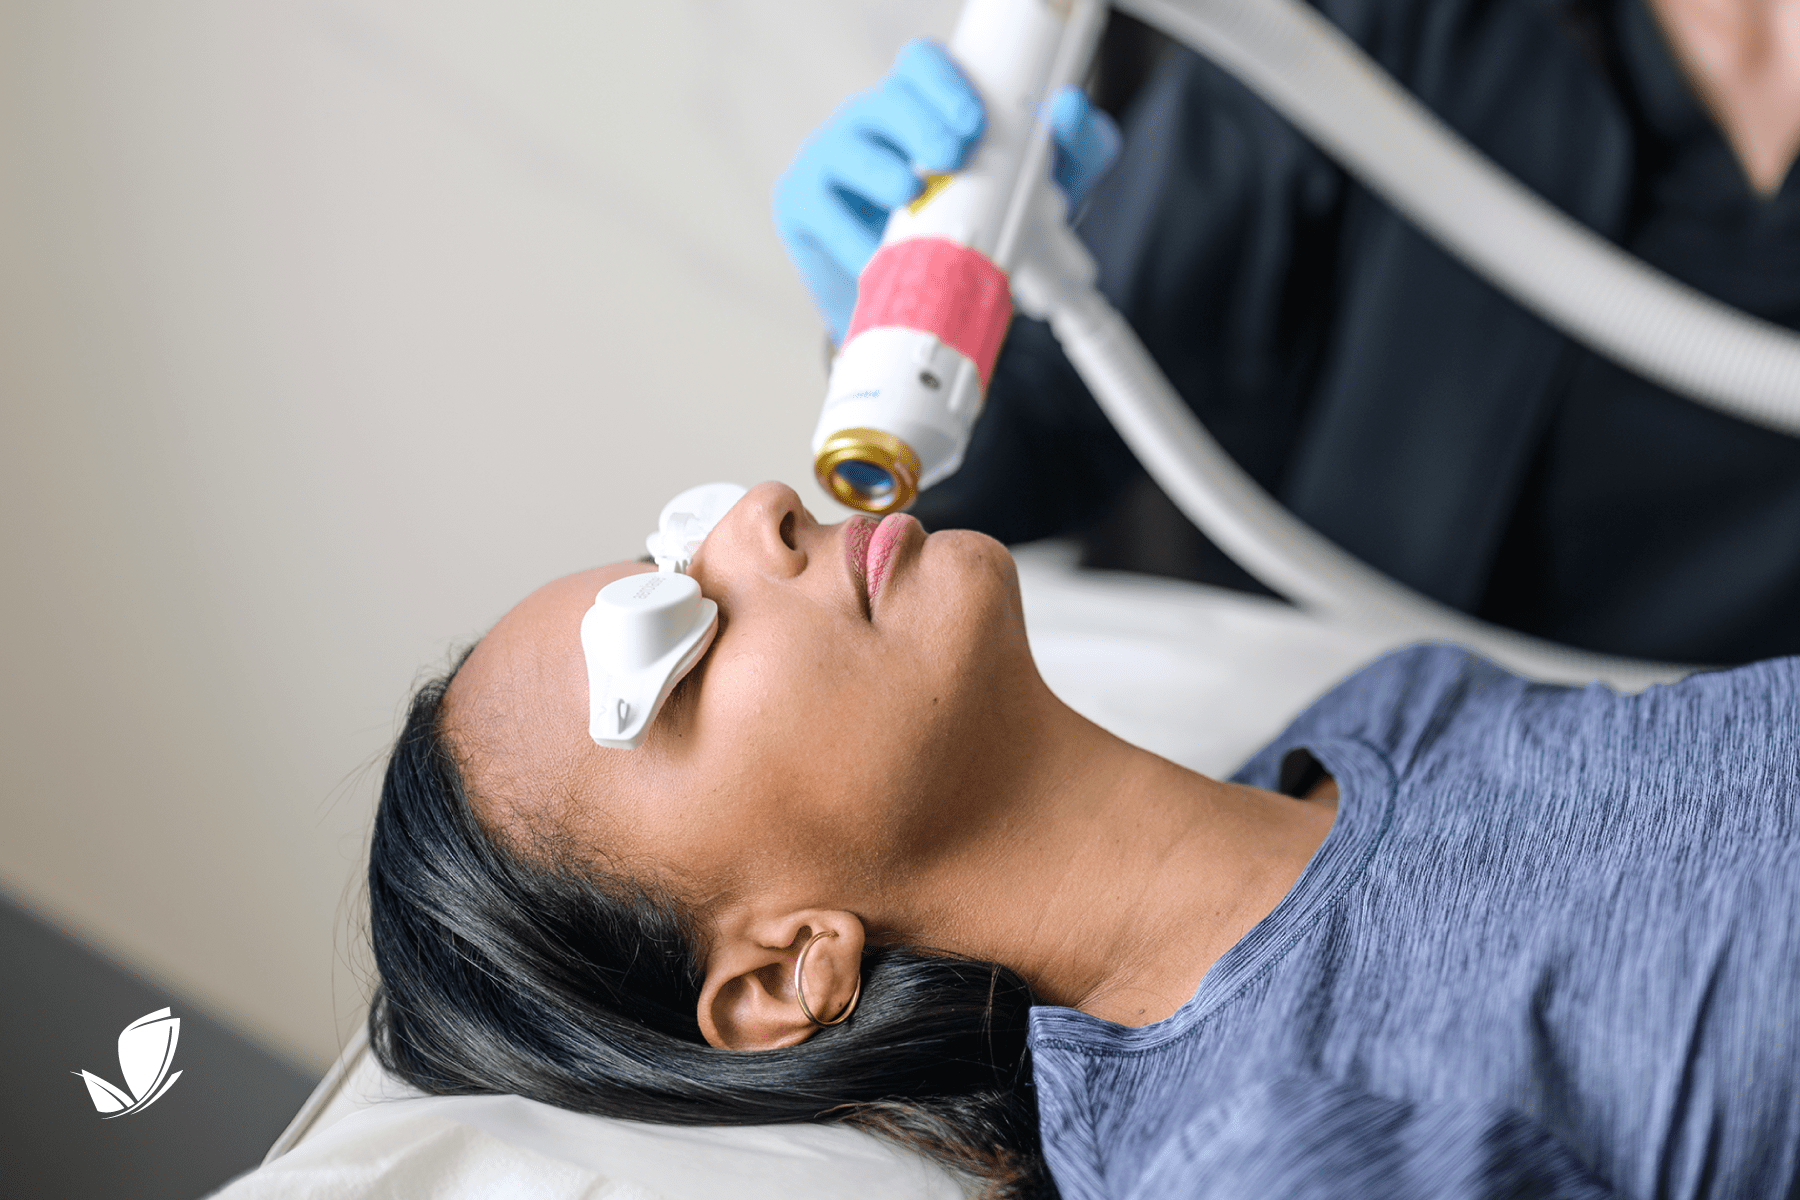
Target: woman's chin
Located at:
point(971, 588)
point(976, 555)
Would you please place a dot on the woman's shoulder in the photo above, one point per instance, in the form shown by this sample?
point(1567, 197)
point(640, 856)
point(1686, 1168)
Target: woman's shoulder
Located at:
point(1394, 705)
point(1437, 699)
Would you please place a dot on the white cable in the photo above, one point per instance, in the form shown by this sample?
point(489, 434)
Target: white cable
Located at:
point(1270, 542)
point(1314, 75)
point(1054, 280)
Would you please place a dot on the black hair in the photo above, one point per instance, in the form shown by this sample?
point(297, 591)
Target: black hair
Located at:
point(541, 975)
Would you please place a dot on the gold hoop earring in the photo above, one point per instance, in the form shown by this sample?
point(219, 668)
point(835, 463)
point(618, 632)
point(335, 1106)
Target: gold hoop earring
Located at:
point(800, 987)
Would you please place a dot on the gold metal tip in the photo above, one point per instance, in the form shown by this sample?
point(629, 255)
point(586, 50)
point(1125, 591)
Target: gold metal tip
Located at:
point(892, 460)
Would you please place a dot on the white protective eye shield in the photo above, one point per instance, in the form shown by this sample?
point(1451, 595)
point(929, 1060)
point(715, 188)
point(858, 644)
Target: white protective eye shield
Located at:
point(646, 631)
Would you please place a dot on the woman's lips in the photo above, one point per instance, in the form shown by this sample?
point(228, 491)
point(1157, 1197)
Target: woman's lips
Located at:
point(883, 545)
point(858, 532)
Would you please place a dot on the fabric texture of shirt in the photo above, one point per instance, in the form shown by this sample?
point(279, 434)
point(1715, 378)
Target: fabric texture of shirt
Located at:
point(1550, 947)
point(1393, 399)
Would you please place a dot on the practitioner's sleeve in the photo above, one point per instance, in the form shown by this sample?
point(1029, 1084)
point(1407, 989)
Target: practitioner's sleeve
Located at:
point(1303, 1138)
point(1213, 232)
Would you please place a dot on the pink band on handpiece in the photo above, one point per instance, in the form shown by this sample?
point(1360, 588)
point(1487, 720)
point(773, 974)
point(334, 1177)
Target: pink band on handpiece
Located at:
point(938, 287)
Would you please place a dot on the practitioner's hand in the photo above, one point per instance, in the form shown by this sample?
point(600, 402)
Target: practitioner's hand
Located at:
point(832, 203)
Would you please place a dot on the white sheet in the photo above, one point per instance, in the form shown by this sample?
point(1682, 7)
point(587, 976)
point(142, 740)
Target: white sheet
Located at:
point(480, 1147)
point(1200, 676)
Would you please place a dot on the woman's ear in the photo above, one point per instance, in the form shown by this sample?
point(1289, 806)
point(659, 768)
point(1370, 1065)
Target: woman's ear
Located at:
point(748, 1002)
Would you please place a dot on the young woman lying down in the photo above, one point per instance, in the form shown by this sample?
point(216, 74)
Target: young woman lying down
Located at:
point(1451, 934)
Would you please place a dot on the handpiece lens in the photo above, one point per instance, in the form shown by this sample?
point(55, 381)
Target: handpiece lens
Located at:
point(645, 631)
point(868, 469)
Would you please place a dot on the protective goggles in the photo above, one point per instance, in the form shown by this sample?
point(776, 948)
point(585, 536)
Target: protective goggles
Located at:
point(646, 631)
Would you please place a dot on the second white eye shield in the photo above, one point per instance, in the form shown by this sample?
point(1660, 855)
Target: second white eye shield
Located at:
point(645, 631)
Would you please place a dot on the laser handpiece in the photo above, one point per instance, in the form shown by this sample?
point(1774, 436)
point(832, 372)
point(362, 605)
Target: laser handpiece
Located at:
point(934, 302)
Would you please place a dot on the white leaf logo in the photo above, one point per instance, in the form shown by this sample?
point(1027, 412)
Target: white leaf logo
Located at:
point(146, 1052)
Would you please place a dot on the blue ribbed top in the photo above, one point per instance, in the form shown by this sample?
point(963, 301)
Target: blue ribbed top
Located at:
point(1550, 947)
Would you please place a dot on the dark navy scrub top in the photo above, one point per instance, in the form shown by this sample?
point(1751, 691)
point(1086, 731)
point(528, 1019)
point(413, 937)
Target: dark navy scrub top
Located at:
point(1549, 948)
point(1391, 398)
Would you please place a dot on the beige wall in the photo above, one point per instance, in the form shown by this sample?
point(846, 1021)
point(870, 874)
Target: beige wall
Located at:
point(327, 330)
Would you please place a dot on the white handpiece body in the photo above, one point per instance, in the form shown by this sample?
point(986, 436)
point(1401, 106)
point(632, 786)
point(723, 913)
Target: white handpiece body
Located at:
point(894, 376)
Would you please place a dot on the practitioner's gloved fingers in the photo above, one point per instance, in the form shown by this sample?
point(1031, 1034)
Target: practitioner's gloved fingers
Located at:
point(1086, 140)
point(833, 201)
point(831, 204)
point(927, 76)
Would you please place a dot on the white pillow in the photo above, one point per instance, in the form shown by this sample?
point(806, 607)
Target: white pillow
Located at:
point(480, 1147)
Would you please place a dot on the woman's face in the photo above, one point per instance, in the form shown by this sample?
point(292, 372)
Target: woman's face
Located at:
point(847, 720)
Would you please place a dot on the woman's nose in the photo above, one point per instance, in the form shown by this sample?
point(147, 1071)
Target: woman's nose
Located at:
point(762, 532)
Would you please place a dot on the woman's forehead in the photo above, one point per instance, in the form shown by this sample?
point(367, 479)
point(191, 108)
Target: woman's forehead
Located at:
point(526, 681)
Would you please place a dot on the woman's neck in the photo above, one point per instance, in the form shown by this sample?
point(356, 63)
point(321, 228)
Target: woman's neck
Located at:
point(1110, 878)
point(1743, 59)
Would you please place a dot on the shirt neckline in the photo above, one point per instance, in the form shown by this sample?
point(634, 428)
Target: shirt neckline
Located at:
point(1686, 143)
point(1366, 785)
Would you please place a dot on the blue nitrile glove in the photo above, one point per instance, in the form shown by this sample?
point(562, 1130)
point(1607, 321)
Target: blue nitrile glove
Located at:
point(1086, 140)
point(832, 203)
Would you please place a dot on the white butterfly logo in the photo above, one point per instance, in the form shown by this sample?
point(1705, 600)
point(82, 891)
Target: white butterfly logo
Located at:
point(146, 1052)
